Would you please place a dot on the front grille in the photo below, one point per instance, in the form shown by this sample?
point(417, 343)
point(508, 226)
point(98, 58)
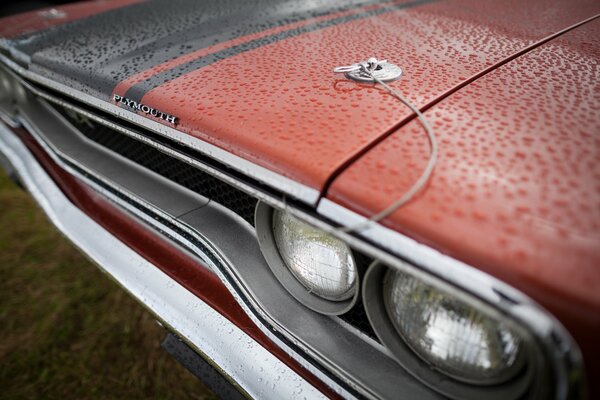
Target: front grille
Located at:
point(167, 166)
point(197, 181)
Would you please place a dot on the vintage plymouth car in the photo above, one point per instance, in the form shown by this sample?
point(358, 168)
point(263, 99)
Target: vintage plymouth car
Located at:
point(427, 226)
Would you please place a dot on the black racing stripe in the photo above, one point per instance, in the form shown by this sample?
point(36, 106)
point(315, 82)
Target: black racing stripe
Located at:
point(227, 27)
point(137, 91)
point(95, 53)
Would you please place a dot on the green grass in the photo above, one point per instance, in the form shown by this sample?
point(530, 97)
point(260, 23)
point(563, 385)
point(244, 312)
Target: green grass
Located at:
point(66, 330)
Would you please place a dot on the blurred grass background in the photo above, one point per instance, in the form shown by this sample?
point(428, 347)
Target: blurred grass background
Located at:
point(66, 329)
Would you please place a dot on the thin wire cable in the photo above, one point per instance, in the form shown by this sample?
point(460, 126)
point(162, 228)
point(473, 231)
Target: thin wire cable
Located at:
point(425, 175)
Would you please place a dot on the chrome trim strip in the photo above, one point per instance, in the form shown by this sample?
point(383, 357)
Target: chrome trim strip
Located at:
point(252, 367)
point(8, 120)
point(277, 181)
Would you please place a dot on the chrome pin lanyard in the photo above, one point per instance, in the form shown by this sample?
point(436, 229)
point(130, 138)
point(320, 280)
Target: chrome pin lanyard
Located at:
point(380, 72)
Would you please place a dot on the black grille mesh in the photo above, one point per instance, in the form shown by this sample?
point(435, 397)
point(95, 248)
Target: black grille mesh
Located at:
point(169, 167)
point(357, 317)
point(197, 181)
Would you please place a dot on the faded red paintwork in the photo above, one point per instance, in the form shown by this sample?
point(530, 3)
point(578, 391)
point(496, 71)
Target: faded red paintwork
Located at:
point(165, 255)
point(516, 190)
point(282, 107)
point(37, 20)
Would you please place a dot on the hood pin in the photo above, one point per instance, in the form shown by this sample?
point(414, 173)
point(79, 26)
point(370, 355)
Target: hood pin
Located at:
point(371, 70)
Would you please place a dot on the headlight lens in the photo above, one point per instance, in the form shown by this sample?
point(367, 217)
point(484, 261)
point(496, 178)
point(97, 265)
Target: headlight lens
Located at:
point(449, 334)
point(320, 262)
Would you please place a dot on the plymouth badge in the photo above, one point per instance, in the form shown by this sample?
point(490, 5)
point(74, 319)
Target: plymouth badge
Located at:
point(146, 109)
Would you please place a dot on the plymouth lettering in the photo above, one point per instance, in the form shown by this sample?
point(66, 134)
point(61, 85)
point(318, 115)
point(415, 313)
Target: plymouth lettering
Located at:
point(146, 109)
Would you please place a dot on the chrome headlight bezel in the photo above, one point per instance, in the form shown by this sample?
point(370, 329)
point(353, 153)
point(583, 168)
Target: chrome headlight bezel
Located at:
point(266, 238)
point(531, 364)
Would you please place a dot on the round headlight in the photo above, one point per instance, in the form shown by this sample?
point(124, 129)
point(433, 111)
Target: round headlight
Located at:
point(448, 333)
point(316, 268)
point(321, 263)
point(448, 339)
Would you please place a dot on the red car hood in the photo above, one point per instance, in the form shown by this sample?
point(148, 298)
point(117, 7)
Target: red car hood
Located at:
point(268, 93)
point(280, 106)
